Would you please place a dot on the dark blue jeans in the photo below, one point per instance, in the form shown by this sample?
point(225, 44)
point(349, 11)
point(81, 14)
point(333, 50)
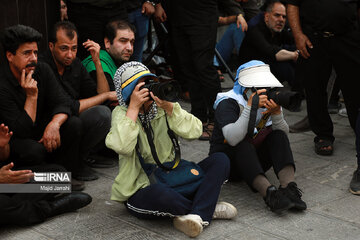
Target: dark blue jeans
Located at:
point(141, 23)
point(231, 39)
point(158, 200)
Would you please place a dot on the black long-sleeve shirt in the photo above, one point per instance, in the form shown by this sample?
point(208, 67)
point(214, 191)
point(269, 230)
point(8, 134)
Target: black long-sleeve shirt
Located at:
point(260, 44)
point(337, 16)
point(76, 81)
point(191, 12)
point(51, 100)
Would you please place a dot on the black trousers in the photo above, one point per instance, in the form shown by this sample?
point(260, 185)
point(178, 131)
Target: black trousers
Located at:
point(29, 152)
point(195, 48)
point(342, 53)
point(96, 122)
point(91, 20)
point(247, 162)
point(285, 71)
point(27, 208)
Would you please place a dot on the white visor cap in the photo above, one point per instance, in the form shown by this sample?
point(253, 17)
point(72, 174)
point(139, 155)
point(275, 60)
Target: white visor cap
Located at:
point(258, 76)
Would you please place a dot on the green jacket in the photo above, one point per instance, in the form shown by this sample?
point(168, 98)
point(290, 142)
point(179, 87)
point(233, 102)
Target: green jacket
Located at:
point(125, 134)
point(107, 63)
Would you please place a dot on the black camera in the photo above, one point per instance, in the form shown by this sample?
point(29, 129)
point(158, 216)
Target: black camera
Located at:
point(287, 99)
point(168, 91)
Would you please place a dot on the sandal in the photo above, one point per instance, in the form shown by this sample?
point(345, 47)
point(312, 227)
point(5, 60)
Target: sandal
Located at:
point(322, 145)
point(207, 132)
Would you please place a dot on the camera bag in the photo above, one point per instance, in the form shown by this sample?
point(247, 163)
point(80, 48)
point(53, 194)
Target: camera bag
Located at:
point(181, 175)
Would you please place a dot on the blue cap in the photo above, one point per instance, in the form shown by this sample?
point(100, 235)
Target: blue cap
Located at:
point(131, 73)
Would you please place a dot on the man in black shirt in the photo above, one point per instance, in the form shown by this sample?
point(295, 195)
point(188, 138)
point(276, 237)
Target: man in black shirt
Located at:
point(327, 34)
point(86, 95)
point(34, 105)
point(266, 40)
point(31, 208)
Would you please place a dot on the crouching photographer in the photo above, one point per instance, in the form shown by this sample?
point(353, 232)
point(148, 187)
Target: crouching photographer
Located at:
point(153, 180)
point(251, 130)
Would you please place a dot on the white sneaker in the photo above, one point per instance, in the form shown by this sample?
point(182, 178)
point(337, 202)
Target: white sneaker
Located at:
point(190, 224)
point(224, 210)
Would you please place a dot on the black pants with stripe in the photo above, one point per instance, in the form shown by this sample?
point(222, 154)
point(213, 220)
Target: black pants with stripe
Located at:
point(158, 200)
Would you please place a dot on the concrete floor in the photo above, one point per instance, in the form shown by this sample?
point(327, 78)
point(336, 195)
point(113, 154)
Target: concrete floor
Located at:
point(333, 212)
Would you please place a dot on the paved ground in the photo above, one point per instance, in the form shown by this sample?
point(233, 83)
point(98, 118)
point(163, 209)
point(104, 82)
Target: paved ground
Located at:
point(333, 213)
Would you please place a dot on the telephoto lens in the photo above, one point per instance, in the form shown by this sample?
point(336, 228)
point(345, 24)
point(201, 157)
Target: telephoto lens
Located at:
point(287, 99)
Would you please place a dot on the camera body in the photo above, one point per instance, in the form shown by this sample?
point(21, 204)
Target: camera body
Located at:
point(168, 91)
point(287, 99)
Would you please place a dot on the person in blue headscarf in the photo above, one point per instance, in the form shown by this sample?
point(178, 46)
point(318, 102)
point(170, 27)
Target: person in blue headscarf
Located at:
point(139, 112)
point(254, 150)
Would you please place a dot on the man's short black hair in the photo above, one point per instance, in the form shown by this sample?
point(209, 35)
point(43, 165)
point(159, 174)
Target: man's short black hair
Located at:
point(67, 26)
point(12, 37)
point(112, 27)
point(269, 4)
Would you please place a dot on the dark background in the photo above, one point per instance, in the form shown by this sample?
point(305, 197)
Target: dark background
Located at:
point(39, 14)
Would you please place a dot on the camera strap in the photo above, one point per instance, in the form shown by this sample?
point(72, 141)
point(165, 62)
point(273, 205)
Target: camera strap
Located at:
point(149, 134)
point(253, 113)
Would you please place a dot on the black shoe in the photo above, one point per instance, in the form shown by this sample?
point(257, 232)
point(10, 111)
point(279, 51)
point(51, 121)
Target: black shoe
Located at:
point(294, 194)
point(77, 185)
point(355, 183)
point(276, 200)
point(85, 174)
point(97, 161)
point(69, 203)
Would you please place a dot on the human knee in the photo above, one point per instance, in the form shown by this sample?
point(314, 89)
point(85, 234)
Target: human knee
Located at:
point(34, 154)
point(245, 147)
point(278, 135)
point(221, 162)
point(74, 125)
point(97, 116)
point(164, 195)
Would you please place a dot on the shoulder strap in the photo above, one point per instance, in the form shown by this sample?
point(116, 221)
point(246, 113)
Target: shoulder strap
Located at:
point(253, 113)
point(149, 135)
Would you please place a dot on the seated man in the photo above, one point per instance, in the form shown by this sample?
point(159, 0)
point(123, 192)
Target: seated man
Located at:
point(265, 42)
point(35, 106)
point(86, 96)
point(119, 46)
point(138, 108)
point(31, 208)
point(253, 151)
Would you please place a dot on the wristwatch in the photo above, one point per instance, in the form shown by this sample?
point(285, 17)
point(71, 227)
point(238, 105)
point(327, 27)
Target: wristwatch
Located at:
point(152, 3)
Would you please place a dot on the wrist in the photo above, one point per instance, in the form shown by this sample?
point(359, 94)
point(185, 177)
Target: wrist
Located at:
point(55, 124)
point(169, 108)
point(132, 113)
point(97, 62)
point(32, 97)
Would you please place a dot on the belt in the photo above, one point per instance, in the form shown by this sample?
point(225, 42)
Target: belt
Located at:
point(325, 34)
